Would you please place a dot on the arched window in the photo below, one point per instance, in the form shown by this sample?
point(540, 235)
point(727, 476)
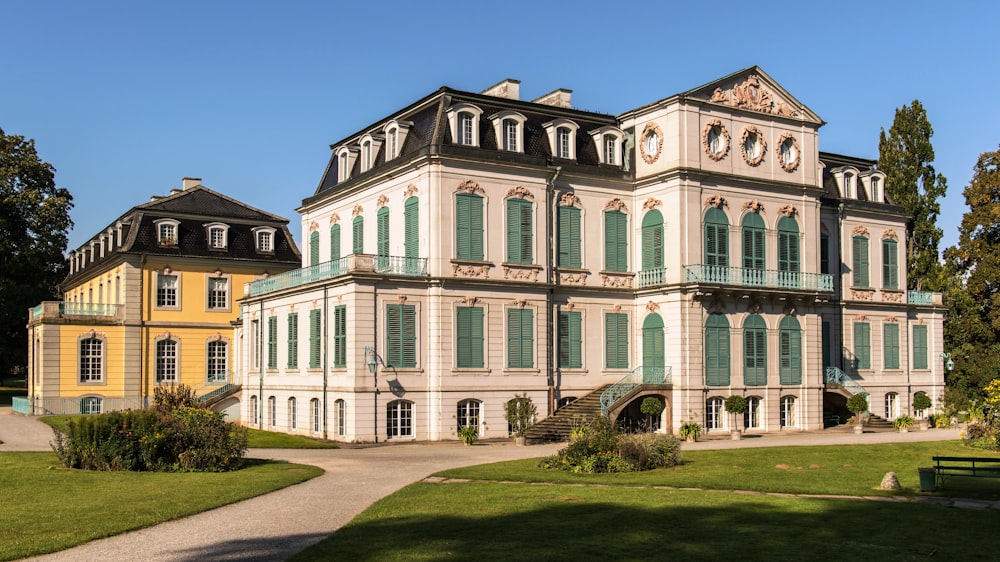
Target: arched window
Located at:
point(166, 361)
point(615, 241)
point(716, 246)
point(358, 238)
point(313, 247)
point(788, 253)
point(469, 413)
point(716, 350)
point(292, 421)
point(652, 344)
point(341, 408)
point(751, 420)
point(713, 414)
point(859, 246)
point(753, 249)
point(335, 242)
point(787, 418)
point(91, 405)
point(314, 414)
point(652, 241)
point(754, 351)
point(919, 414)
point(411, 228)
point(218, 361)
point(382, 236)
point(468, 226)
point(399, 419)
point(891, 405)
point(91, 360)
point(790, 351)
point(272, 411)
point(254, 420)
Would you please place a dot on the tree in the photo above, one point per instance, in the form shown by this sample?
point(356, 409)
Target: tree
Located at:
point(858, 405)
point(905, 156)
point(34, 222)
point(652, 407)
point(736, 405)
point(972, 324)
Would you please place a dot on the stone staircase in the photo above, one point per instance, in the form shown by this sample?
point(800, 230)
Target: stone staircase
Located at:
point(557, 427)
point(214, 397)
point(878, 423)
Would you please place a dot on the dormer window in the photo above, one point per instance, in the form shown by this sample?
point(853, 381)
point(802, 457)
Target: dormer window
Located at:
point(872, 182)
point(508, 126)
point(395, 133)
point(846, 178)
point(370, 145)
point(849, 185)
point(562, 138)
point(609, 143)
point(264, 238)
point(345, 161)
point(166, 232)
point(463, 122)
point(218, 235)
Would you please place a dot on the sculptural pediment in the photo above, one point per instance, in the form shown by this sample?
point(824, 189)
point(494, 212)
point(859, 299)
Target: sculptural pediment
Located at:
point(753, 90)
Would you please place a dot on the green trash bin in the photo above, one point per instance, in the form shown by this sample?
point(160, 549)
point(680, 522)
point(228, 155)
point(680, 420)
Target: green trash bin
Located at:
point(928, 479)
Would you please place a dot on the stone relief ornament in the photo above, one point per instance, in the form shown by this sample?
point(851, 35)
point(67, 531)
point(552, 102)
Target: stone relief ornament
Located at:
point(411, 190)
point(573, 278)
point(616, 308)
point(520, 274)
point(651, 204)
point(859, 231)
point(401, 299)
point(470, 270)
point(569, 306)
point(520, 192)
point(382, 201)
point(749, 94)
point(520, 303)
point(788, 152)
point(616, 205)
point(862, 294)
point(616, 281)
point(892, 319)
point(788, 210)
point(470, 301)
point(860, 317)
point(357, 210)
point(570, 199)
point(313, 226)
point(334, 218)
point(716, 201)
point(470, 186)
point(892, 296)
point(753, 206)
point(715, 140)
point(651, 142)
point(753, 146)
point(890, 235)
point(652, 306)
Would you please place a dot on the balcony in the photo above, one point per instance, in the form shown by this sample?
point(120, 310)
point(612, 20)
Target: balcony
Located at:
point(921, 297)
point(759, 278)
point(51, 310)
point(352, 264)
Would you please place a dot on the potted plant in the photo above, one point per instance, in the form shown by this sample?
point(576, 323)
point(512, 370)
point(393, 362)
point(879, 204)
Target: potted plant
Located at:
point(858, 405)
point(469, 433)
point(903, 423)
point(736, 405)
point(921, 403)
point(690, 431)
point(652, 407)
point(520, 415)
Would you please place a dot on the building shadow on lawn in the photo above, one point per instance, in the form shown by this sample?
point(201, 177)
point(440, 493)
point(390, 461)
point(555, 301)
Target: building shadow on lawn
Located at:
point(261, 549)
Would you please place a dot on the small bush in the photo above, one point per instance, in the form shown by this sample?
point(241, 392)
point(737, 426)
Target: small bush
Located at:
point(602, 447)
point(982, 436)
point(646, 451)
point(469, 434)
point(168, 398)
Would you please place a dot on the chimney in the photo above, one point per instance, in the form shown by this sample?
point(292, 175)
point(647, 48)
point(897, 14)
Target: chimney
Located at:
point(507, 88)
point(188, 183)
point(558, 98)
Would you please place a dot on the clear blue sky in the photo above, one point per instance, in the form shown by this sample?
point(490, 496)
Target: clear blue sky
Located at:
point(126, 98)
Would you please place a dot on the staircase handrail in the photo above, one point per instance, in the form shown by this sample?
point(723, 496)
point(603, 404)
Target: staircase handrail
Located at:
point(639, 375)
point(835, 375)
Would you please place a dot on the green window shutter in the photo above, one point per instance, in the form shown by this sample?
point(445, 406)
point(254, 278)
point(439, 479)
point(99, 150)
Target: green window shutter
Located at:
point(862, 345)
point(272, 342)
point(754, 351)
point(469, 328)
point(890, 346)
point(788, 245)
point(401, 336)
point(569, 237)
point(716, 350)
point(519, 231)
point(293, 341)
point(469, 226)
point(716, 238)
point(652, 343)
point(890, 267)
point(313, 247)
point(340, 336)
point(753, 242)
point(315, 335)
point(335, 242)
point(358, 238)
point(615, 241)
point(860, 261)
point(382, 232)
point(616, 340)
point(920, 347)
point(790, 349)
point(824, 252)
point(411, 228)
point(652, 241)
point(520, 338)
point(570, 340)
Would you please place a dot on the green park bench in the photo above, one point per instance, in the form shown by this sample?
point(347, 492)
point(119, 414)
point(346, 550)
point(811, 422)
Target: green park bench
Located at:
point(975, 467)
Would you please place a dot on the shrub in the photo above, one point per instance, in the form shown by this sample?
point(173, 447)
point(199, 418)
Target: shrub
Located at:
point(921, 401)
point(468, 434)
point(167, 398)
point(602, 447)
point(903, 421)
point(858, 405)
point(520, 414)
point(646, 451)
point(690, 429)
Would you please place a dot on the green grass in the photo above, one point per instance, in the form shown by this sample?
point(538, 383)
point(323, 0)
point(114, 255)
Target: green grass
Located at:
point(8, 392)
point(257, 439)
point(530, 513)
point(47, 508)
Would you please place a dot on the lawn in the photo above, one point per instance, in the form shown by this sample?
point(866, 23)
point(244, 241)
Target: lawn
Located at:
point(47, 508)
point(529, 513)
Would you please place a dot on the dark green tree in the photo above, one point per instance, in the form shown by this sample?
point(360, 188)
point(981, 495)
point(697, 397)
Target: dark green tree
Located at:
point(34, 222)
point(972, 324)
point(905, 156)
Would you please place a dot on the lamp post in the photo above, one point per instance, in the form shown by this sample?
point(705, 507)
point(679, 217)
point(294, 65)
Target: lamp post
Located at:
point(948, 363)
point(372, 359)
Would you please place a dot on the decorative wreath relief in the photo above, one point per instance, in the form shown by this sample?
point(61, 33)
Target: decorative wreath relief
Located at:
point(788, 152)
point(753, 146)
point(715, 140)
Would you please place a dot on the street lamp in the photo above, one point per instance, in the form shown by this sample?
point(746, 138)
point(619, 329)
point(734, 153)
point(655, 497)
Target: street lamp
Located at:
point(372, 360)
point(948, 363)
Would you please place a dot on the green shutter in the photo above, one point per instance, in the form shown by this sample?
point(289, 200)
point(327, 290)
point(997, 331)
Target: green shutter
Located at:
point(754, 351)
point(313, 247)
point(335, 242)
point(890, 346)
point(293, 341)
point(616, 340)
point(340, 336)
point(890, 268)
point(570, 340)
point(788, 245)
point(716, 350)
point(569, 237)
point(862, 345)
point(401, 336)
point(920, 347)
point(272, 342)
point(520, 338)
point(358, 239)
point(315, 335)
point(860, 261)
point(753, 242)
point(824, 252)
point(519, 231)
point(411, 228)
point(615, 241)
point(716, 243)
point(469, 336)
point(469, 226)
point(652, 241)
point(790, 344)
point(382, 232)
point(652, 342)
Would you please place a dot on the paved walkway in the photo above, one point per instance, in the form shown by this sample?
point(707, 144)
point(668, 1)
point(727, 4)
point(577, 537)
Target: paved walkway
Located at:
point(279, 524)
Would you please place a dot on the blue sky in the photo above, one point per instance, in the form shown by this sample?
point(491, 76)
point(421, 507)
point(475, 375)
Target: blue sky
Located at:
point(126, 98)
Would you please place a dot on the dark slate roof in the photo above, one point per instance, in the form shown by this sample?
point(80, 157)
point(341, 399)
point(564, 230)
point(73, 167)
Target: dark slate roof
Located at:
point(199, 200)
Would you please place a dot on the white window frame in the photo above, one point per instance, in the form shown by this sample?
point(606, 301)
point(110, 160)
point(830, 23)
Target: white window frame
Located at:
point(453, 114)
point(97, 359)
point(370, 145)
point(272, 411)
point(715, 419)
point(508, 124)
point(314, 415)
point(91, 405)
point(253, 409)
point(211, 296)
point(167, 232)
point(847, 177)
point(162, 281)
point(341, 408)
point(601, 137)
point(217, 227)
point(395, 132)
point(346, 156)
point(292, 421)
point(552, 132)
point(789, 414)
point(216, 364)
point(174, 374)
point(262, 234)
point(404, 416)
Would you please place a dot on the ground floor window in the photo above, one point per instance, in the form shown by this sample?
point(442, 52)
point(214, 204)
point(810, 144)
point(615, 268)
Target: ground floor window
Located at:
point(399, 419)
point(314, 414)
point(751, 419)
point(713, 414)
point(272, 411)
point(291, 414)
point(341, 408)
point(468, 413)
point(166, 361)
point(253, 410)
point(90, 405)
point(788, 414)
point(891, 405)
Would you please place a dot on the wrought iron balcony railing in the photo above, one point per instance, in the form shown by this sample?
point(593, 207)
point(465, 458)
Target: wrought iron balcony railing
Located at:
point(354, 263)
point(59, 309)
point(763, 278)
